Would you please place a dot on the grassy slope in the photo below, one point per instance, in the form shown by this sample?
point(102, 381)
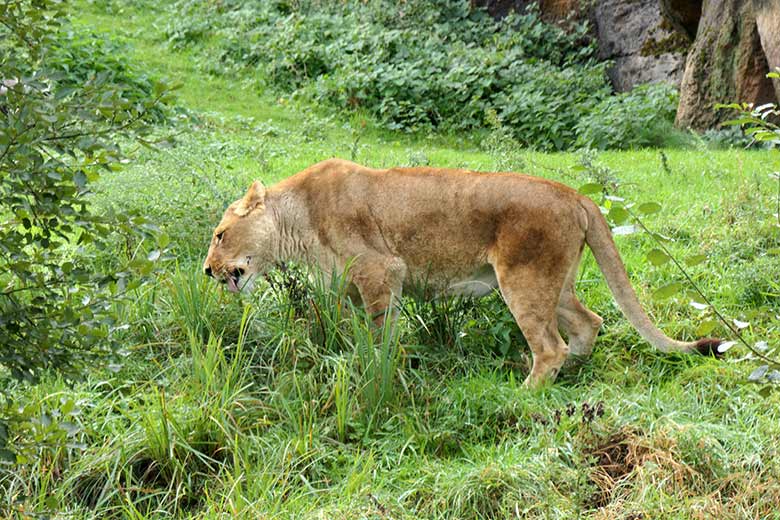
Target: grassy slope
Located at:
point(679, 437)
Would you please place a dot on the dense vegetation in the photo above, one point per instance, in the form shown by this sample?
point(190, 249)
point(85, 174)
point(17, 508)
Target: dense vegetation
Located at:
point(281, 403)
point(543, 82)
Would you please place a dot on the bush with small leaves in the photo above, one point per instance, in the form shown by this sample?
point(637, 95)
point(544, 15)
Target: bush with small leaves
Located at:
point(66, 102)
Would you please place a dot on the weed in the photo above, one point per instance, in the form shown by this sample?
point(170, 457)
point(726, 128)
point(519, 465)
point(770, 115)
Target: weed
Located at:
point(501, 144)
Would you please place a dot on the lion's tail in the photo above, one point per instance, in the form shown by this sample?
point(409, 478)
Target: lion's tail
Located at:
point(599, 238)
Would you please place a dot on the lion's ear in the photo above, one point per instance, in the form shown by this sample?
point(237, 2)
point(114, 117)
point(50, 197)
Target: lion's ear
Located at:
point(254, 198)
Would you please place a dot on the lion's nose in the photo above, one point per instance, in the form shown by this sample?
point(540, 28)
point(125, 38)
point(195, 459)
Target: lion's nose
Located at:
point(207, 270)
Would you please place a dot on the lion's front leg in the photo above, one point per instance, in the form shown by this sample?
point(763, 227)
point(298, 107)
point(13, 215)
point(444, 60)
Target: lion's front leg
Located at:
point(379, 279)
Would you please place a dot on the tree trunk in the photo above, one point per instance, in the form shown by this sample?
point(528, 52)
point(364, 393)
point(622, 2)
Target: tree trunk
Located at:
point(725, 64)
point(768, 23)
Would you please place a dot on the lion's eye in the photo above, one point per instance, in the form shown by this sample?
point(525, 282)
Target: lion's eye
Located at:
point(219, 236)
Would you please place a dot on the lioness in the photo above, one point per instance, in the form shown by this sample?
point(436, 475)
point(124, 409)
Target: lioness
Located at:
point(461, 231)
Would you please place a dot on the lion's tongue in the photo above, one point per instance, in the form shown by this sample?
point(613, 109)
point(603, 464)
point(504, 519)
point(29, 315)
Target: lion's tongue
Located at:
point(231, 283)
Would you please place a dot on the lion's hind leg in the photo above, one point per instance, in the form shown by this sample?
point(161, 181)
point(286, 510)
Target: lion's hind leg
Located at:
point(580, 324)
point(532, 267)
point(533, 305)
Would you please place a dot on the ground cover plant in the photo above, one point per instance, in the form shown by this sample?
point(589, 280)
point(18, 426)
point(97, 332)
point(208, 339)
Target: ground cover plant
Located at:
point(281, 403)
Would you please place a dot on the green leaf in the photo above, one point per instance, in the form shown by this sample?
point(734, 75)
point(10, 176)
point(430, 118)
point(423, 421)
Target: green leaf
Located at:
point(734, 106)
point(753, 130)
point(695, 260)
point(742, 121)
point(618, 215)
point(63, 92)
point(767, 135)
point(159, 87)
point(706, 327)
point(648, 208)
point(80, 179)
point(657, 257)
point(67, 407)
point(7, 456)
point(667, 291)
point(590, 188)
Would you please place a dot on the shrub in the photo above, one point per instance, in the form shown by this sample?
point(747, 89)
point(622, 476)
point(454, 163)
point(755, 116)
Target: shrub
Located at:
point(723, 138)
point(760, 123)
point(544, 107)
point(80, 57)
point(65, 103)
point(641, 117)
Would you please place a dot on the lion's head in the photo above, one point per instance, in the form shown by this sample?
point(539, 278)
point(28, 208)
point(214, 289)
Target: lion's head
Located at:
point(244, 242)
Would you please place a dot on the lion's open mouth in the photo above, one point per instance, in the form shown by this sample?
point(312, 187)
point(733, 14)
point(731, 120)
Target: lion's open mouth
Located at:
point(233, 278)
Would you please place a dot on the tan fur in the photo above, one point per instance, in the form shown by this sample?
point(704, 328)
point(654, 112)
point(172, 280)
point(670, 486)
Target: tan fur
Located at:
point(458, 231)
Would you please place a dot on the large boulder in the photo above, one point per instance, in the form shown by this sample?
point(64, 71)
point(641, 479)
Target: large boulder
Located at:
point(726, 63)
point(641, 40)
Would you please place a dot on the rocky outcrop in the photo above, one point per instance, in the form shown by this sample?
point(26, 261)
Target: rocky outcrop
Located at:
point(643, 43)
point(683, 14)
point(553, 10)
point(725, 64)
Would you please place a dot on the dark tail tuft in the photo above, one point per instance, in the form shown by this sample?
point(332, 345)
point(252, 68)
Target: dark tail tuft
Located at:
point(708, 347)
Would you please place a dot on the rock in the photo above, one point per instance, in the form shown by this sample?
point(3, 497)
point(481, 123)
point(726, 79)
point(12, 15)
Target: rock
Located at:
point(768, 24)
point(560, 9)
point(683, 14)
point(725, 64)
point(642, 41)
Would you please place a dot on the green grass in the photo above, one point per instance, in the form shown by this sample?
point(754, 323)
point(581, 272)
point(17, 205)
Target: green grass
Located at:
point(265, 407)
